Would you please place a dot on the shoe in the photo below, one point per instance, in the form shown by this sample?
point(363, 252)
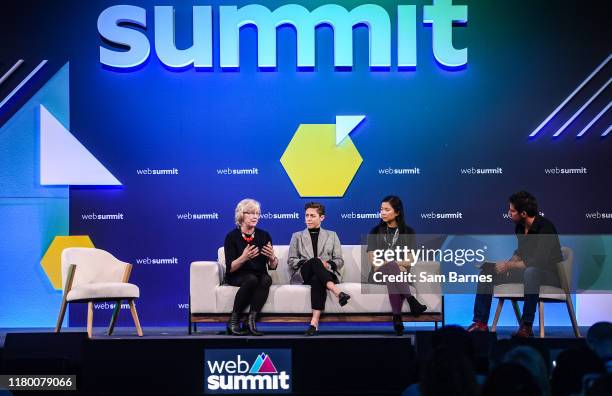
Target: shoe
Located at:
point(478, 327)
point(416, 308)
point(525, 331)
point(311, 331)
point(252, 324)
point(343, 298)
point(233, 326)
point(398, 325)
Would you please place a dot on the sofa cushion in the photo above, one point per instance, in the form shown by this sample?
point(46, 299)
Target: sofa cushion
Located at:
point(352, 271)
point(295, 299)
point(375, 302)
point(292, 298)
point(225, 299)
point(103, 290)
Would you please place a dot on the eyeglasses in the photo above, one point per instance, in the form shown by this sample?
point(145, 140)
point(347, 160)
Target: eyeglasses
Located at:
point(252, 213)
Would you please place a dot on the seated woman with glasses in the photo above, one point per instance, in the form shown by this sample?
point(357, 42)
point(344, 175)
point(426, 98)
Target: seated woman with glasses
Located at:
point(248, 255)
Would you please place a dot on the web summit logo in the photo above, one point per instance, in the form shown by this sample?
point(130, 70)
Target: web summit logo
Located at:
point(123, 29)
point(229, 371)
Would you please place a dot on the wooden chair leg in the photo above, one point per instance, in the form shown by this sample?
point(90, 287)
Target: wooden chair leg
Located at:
point(111, 327)
point(517, 311)
point(541, 311)
point(572, 315)
point(498, 310)
point(135, 317)
point(67, 288)
point(60, 317)
point(90, 319)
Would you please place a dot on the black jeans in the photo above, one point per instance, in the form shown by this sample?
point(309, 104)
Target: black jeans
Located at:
point(531, 277)
point(254, 289)
point(314, 274)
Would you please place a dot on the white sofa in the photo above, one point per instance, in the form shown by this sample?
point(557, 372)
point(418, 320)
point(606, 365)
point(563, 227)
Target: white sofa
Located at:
point(212, 302)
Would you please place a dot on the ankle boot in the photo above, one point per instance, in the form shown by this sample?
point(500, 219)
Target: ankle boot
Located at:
point(253, 325)
point(343, 298)
point(311, 331)
point(233, 326)
point(416, 308)
point(398, 325)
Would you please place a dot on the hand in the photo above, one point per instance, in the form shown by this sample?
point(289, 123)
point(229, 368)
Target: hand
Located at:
point(501, 267)
point(249, 253)
point(404, 266)
point(377, 268)
point(268, 251)
point(326, 265)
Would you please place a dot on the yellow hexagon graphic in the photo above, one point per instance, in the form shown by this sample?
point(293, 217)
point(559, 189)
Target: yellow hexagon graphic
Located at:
point(317, 166)
point(52, 260)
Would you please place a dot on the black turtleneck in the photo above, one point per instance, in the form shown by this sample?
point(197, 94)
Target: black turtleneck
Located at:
point(314, 237)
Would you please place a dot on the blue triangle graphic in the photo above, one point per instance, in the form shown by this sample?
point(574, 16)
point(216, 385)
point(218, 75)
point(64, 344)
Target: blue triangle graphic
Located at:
point(19, 140)
point(257, 364)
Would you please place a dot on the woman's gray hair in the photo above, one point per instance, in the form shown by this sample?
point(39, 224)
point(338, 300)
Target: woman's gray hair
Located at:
point(244, 206)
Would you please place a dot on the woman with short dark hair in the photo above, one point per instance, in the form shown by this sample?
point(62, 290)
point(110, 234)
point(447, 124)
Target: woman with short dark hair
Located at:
point(315, 256)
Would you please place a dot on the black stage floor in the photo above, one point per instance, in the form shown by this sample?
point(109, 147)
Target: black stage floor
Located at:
point(363, 359)
point(279, 331)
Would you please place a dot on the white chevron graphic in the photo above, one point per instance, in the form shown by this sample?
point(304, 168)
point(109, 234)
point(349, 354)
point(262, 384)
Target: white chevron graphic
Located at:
point(594, 120)
point(22, 83)
point(575, 115)
point(581, 109)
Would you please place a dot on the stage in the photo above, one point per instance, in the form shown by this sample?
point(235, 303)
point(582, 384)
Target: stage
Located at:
point(366, 359)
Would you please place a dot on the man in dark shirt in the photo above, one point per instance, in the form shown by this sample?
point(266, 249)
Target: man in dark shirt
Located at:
point(533, 263)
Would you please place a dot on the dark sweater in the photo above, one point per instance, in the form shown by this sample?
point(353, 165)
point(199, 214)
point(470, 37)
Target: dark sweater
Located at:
point(235, 245)
point(540, 247)
point(314, 237)
point(380, 237)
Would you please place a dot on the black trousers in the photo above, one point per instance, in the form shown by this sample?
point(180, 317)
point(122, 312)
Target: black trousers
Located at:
point(314, 274)
point(253, 291)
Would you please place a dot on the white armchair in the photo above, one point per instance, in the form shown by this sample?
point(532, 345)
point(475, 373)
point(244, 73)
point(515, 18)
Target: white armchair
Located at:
point(90, 275)
point(515, 292)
